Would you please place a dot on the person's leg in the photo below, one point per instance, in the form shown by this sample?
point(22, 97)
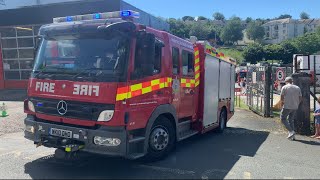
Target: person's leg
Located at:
point(318, 131)
point(283, 117)
point(316, 134)
point(292, 113)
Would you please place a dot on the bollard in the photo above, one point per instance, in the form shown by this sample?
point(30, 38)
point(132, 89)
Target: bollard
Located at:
point(3, 111)
point(302, 119)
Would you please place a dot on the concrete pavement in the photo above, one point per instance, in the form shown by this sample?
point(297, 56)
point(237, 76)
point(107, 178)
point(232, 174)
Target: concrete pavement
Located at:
point(252, 147)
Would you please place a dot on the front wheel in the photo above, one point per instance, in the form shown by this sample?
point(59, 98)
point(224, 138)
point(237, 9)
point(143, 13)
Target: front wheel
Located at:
point(161, 140)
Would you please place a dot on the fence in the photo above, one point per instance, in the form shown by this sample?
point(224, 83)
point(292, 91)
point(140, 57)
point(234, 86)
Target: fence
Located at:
point(258, 89)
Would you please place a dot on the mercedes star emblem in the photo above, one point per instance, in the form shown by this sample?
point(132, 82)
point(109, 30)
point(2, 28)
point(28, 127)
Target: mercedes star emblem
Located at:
point(62, 107)
point(63, 86)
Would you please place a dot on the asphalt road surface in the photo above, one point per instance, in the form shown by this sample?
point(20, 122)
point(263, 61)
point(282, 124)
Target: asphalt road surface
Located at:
point(251, 147)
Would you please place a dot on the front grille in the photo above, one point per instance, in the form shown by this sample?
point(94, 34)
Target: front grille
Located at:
point(75, 109)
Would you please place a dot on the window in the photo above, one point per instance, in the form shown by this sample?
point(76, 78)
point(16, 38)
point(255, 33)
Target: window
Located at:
point(147, 60)
point(284, 25)
point(284, 31)
point(157, 58)
point(187, 63)
point(175, 61)
point(18, 51)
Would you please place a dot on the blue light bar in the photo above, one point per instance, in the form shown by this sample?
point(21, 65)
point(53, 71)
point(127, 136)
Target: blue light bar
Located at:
point(125, 14)
point(97, 16)
point(69, 18)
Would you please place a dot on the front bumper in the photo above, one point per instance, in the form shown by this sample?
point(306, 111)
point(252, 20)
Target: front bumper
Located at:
point(83, 136)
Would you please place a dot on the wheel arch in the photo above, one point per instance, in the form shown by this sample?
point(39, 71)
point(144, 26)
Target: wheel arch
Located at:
point(166, 110)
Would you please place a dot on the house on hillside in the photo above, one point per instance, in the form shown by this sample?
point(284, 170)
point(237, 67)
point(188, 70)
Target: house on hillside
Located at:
point(279, 30)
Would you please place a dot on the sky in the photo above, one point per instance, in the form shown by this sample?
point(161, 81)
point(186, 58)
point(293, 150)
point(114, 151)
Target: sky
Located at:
point(241, 8)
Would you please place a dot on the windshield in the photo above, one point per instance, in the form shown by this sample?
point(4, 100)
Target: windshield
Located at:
point(82, 55)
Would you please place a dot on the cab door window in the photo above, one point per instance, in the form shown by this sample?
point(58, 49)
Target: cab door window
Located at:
point(175, 61)
point(187, 63)
point(148, 55)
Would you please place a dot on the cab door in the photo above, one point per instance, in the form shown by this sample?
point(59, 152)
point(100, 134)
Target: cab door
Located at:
point(187, 85)
point(175, 56)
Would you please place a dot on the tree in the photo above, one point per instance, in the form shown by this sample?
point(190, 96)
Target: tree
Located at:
point(187, 18)
point(253, 53)
point(249, 19)
point(255, 31)
point(199, 30)
point(218, 16)
point(273, 52)
point(288, 50)
point(318, 30)
point(201, 18)
point(307, 44)
point(304, 15)
point(178, 28)
point(232, 32)
point(284, 16)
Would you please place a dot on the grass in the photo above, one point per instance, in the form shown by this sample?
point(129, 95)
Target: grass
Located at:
point(233, 53)
point(242, 105)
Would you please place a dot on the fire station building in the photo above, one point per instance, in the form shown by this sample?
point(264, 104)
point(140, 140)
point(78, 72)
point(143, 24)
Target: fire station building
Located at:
point(20, 23)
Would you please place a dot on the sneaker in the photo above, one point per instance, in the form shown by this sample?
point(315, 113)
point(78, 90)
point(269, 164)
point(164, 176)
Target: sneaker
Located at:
point(291, 134)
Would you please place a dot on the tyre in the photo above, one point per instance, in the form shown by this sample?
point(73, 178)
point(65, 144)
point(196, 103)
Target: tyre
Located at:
point(222, 121)
point(162, 139)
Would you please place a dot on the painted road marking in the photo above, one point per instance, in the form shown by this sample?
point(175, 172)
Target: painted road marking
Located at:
point(246, 175)
point(288, 178)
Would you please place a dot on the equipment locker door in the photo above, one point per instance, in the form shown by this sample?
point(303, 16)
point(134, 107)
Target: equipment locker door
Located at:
point(211, 90)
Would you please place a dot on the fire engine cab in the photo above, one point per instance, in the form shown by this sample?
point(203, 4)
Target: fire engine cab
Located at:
point(104, 84)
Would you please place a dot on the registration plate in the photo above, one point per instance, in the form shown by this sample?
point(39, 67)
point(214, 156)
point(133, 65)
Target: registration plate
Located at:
point(60, 133)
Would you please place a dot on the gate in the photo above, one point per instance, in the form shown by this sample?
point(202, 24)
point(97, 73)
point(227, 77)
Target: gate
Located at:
point(258, 89)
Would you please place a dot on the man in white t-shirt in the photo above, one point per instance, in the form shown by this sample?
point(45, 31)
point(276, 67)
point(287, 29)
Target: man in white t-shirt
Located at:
point(290, 98)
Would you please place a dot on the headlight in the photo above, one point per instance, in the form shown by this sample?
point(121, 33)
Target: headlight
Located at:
point(31, 106)
point(104, 141)
point(29, 128)
point(106, 115)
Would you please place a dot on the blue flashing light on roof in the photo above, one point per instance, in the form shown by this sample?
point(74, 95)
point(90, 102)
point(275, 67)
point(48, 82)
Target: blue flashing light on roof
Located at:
point(129, 13)
point(69, 18)
point(97, 16)
point(126, 13)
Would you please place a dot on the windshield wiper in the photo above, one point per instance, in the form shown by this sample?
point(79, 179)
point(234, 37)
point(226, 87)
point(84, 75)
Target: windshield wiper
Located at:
point(89, 71)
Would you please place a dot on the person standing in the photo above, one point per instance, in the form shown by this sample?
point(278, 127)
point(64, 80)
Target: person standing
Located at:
point(317, 121)
point(290, 99)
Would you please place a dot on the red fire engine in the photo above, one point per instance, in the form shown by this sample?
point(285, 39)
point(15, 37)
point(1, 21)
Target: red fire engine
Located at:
point(104, 84)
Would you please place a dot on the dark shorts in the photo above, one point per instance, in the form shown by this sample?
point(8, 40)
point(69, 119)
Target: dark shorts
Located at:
point(317, 120)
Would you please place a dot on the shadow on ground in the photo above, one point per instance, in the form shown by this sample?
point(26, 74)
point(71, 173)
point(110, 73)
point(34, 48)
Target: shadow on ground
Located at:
point(13, 95)
point(205, 156)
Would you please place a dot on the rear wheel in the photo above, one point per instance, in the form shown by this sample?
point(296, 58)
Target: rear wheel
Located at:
point(222, 120)
point(161, 140)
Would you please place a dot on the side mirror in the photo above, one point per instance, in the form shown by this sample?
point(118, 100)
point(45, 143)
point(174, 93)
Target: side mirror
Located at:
point(36, 46)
